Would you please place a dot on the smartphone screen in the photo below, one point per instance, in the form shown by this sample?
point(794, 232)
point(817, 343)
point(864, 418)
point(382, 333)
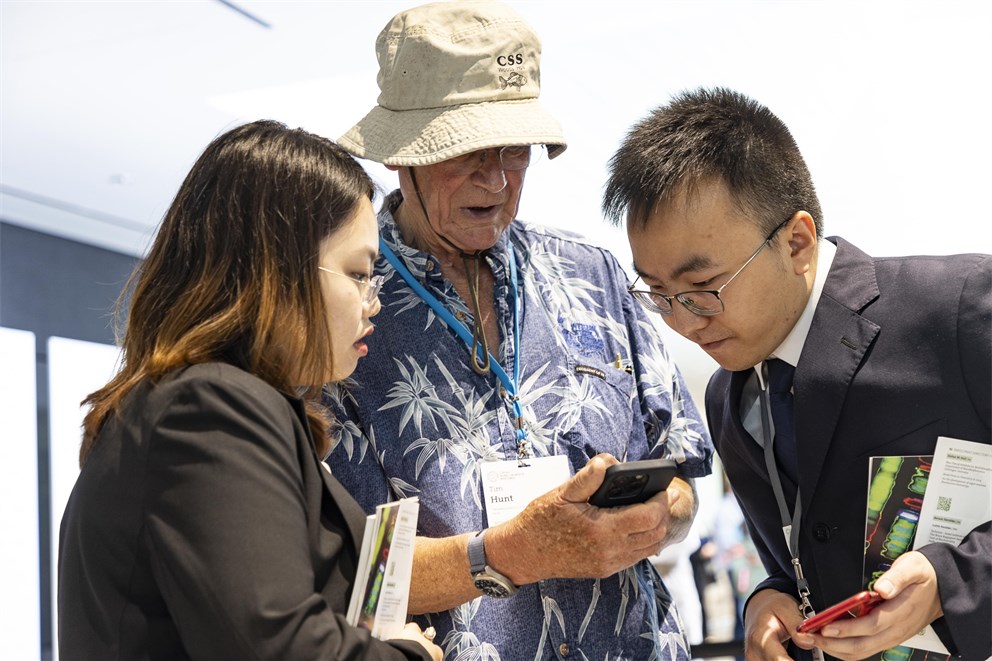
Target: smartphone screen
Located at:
point(633, 482)
point(856, 606)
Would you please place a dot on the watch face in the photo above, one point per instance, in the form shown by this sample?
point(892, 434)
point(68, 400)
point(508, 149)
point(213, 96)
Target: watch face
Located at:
point(493, 588)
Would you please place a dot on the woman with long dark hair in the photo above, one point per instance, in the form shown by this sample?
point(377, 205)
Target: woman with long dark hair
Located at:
point(203, 523)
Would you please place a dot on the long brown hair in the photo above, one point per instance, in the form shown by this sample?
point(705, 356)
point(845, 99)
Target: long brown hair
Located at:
point(232, 274)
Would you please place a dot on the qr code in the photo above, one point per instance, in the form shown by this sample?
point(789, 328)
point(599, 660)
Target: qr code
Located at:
point(943, 504)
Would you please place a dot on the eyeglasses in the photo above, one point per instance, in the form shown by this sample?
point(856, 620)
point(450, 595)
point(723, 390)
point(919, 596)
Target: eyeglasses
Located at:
point(370, 285)
point(512, 157)
point(704, 302)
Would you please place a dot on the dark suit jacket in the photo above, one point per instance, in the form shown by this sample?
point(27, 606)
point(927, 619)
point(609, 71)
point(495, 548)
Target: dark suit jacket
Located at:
point(204, 526)
point(898, 354)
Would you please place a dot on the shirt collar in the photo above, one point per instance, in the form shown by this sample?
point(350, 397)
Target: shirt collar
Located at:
point(792, 346)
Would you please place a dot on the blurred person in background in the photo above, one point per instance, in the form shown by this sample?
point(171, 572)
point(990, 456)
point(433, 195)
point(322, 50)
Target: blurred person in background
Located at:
point(735, 555)
point(675, 567)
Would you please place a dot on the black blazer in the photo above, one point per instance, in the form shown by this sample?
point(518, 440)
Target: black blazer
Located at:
point(204, 526)
point(898, 354)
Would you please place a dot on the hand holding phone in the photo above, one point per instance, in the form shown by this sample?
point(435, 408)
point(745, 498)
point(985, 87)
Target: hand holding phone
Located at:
point(633, 482)
point(860, 604)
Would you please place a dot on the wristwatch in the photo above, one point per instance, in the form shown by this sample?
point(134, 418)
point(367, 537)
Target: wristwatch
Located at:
point(489, 581)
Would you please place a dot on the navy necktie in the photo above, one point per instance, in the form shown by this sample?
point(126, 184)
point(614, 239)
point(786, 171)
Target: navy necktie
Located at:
point(780, 397)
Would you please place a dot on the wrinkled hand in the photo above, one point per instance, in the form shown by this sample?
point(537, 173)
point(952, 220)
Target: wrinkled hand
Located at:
point(412, 632)
point(560, 535)
point(909, 588)
point(770, 619)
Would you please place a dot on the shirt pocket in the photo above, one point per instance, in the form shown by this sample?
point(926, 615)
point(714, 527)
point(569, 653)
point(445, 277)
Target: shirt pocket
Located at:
point(594, 411)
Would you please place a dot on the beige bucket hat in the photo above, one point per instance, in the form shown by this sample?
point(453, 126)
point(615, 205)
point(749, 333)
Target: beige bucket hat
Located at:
point(454, 77)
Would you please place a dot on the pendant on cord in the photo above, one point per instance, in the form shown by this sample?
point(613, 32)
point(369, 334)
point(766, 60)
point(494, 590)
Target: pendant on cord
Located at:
point(480, 367)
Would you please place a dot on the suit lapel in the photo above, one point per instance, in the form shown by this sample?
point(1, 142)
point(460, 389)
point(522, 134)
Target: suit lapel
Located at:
point(351, 511)
point(836, 344)
point(742, 443)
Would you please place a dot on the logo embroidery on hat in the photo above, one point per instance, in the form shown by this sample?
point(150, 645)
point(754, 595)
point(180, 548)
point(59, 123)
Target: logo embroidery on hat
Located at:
point(513, 80)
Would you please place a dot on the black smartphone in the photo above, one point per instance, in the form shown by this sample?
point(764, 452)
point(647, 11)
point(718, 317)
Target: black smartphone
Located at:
point(633, 482)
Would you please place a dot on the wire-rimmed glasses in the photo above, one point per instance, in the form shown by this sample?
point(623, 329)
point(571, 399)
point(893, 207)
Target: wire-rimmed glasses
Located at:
point(703, 302)
point(370, 284)
point(511, 157)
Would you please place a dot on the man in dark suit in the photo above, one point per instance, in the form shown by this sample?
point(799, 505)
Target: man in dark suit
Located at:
point(828, 357)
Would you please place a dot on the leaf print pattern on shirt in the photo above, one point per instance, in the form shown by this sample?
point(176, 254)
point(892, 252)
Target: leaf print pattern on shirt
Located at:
point(417, 420)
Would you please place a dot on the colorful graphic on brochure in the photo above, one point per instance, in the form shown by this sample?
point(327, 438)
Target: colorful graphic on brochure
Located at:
point(378, 602)
point(895, 497)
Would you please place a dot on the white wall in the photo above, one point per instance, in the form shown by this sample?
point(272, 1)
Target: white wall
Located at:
point(20, 631)
point(75, 369)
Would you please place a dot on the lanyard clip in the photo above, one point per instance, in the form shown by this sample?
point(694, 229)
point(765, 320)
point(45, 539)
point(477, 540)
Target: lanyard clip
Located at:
point(523, 445)
point(805, 607)
point(523, 452)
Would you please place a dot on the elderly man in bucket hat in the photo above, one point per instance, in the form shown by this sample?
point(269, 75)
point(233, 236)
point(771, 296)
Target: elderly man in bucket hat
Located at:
point(510, 367)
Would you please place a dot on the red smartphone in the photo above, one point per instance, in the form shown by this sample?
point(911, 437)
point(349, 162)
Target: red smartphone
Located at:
point(856, 606)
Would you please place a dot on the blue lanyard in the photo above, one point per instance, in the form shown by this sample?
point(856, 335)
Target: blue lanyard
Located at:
point(523, 447)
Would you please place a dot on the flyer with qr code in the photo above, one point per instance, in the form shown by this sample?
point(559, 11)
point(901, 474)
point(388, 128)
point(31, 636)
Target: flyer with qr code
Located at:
point(958, 499)
point(918, 500)
point(959, 492)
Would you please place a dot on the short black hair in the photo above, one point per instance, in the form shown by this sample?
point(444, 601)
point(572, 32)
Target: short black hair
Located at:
point(710, 135)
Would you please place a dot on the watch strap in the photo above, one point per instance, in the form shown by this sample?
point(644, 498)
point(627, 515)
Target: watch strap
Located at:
point(487, 579)
point(477, 553)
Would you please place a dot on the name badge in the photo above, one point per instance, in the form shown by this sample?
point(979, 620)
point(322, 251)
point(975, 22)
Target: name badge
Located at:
point(508, 487)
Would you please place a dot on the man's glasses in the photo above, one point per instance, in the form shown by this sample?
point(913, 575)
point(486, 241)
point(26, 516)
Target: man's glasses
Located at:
point(510, 158)
point(369, 285)
point(704, 302)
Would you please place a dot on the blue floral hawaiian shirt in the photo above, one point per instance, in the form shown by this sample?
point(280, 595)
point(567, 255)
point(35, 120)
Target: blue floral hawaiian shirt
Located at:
point(416, 420)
